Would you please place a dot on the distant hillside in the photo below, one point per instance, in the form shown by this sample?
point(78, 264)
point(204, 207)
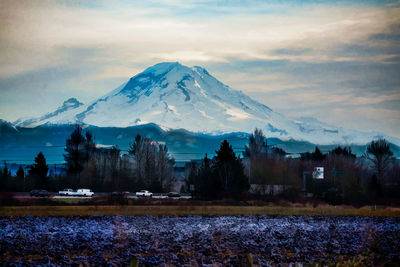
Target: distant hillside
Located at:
point(23, 144)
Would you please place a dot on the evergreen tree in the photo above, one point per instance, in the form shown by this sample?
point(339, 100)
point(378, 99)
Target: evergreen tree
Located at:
point(75, 151)
point(343, 152)
point(276, 151)
point(207, 184)
point(40, 169)
point(314, 156)
point(79, 149)
point(20, 172)
point(230, 170)
point(317, 155)
point(21, 178)
point(4, 177)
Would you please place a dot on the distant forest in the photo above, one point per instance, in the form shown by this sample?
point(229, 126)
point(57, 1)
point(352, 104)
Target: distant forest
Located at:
point(263, 171)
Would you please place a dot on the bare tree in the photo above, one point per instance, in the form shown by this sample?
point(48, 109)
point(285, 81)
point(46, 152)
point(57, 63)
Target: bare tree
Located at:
point(153, 165)
point(257, 145)
point(136, 149)
point(164, 167)
point(379, 153)
point(256, 153)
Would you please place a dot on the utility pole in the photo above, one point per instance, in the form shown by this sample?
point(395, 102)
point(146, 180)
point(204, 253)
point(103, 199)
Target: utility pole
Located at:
point(304, 182)
point(249, 163)
point(24, 180)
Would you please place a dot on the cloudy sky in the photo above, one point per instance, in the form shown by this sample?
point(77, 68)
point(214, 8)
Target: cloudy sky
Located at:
point(338, 61)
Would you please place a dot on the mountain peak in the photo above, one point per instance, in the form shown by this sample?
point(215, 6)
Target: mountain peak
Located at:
point(57, 116)
point(162, 68)
point(173, 95)
point(69, 104)
point(158, 76)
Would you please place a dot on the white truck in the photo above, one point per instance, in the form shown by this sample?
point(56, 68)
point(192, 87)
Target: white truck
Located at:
point(66, 192)
point(144, 193)
point(77, 193)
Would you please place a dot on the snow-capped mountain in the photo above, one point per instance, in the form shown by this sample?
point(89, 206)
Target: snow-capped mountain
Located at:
point(65, 114)
point(175, 96)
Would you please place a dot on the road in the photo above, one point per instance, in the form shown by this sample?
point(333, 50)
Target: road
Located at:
point(26, 195)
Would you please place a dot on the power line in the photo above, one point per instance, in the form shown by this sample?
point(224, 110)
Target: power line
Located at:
point(50, 146)
point(58, 146)
point(30, 160)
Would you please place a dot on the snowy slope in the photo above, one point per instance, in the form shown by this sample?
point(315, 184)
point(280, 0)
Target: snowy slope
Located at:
point(65, 114)
point(175, 96)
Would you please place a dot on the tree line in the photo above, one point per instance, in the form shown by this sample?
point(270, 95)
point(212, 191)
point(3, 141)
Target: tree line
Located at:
point(148, 165)
point(263, 171)
point(223, 176)
point(270, 172)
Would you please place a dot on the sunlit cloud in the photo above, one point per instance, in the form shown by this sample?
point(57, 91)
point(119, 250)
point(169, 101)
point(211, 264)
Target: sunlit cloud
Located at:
point(137, 36)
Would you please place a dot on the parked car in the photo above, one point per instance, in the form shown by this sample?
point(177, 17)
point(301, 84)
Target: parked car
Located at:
point(120, 194)
point(144, 193)
point(33, 192)
point(84, 193)
point(174, 194)
point(78, 193)
point(39, 193)
point(66, 192)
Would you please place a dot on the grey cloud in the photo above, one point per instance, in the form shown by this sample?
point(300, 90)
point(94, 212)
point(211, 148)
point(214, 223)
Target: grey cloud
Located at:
point(291, 51)
point(385, 36)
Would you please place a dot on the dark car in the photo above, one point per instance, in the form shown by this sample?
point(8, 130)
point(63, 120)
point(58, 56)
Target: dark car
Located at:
point(40, 193)
point(173, 194)
point(33, 193)
point(120, 194)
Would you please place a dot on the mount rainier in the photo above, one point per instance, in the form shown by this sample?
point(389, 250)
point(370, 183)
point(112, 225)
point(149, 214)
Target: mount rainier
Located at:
point(174, 96)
